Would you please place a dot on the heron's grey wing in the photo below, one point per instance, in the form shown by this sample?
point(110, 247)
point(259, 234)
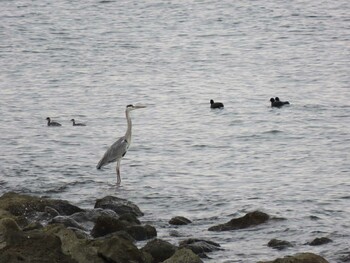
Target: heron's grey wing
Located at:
point(115, 152)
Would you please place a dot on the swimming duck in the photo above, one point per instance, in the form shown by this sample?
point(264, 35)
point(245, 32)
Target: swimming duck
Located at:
point(52, 123)
point(216, 105)
point(275, 102)
point(77, 124)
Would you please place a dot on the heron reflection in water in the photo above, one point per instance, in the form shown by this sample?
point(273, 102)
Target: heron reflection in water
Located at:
point(118, 149)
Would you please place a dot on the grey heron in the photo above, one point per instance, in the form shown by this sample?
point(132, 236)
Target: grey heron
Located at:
point(216, 105)
point(52, 123)
point(77, 124)
point(118, 149)
point(275, 102)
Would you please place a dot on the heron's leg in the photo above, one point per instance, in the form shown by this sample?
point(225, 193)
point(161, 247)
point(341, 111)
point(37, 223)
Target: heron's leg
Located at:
point(118, 173)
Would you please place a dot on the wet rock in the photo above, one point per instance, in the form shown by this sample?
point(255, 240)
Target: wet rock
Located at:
point(118, 205)
point(10, 232)
point(117, 249)
point(78, 248)
point(131, 218)
point(93, 214)
point(31, 246)
point(25, 205)
point(179, 220)
point(88, 218)
point(141, 232)
point(279, 244)
point(184, 255)
point(123, 234)
point(200, 246)
point(67, 221)
point(299, 258)
point(106, 225)
point(174, 233)
point(249, 220)
point(32, 226)
point(51, 211)
point(159, 249)
point(320, 241)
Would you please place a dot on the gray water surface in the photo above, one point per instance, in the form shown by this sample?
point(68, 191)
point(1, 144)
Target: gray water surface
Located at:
point(88, 59)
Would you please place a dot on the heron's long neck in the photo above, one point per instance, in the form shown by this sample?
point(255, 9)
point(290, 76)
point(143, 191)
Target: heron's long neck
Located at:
point(128, 131)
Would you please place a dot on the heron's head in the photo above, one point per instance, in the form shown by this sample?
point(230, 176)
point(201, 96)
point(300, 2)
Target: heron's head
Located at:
point(131, 107)
point(272, 100)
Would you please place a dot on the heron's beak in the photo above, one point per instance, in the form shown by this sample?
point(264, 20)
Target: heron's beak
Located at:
point(139, 106)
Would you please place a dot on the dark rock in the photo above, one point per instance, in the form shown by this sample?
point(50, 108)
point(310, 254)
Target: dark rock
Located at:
point(199, 246)
point(159, 249)
point(88, 218)
point(299, 258)
point(10, 232)
point(77, 247)
point(19, 204)
point(32, 226)
point(31, 246)
point(123, 234)
point(51, 211)
point(183, 255)
point(250, 219)
point(131, 218)
point(117, 249)
point(142, 232)
point(118, 205)
point(179, 220)
point(279, 244)
point(106, 225)
point(93, 214)
point(320, 241)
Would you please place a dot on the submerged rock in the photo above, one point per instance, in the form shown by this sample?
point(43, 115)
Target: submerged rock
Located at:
point(320, 241)
point(279, 244)
point(249, 220)
point(299, 258)
point(159, 249)
point(118, 205)
point(184, 255)
point(200, 246)
point(179, 220)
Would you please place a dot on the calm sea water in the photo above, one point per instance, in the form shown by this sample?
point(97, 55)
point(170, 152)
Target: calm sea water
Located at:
point(88, 59)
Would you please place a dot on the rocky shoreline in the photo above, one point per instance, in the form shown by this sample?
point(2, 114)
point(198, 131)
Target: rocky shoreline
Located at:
point(40, 230)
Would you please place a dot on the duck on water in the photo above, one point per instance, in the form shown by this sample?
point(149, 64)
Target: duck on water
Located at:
point(77, 124)
point(216, 105)
point(52, 123)
point(275, 102)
